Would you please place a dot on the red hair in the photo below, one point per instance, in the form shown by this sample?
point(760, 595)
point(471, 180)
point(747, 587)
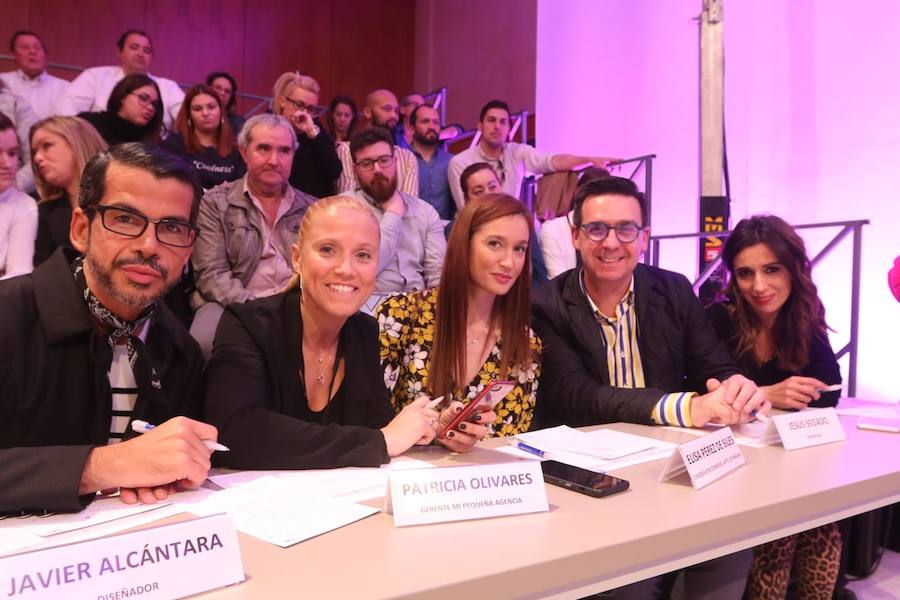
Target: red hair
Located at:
point(224, 135)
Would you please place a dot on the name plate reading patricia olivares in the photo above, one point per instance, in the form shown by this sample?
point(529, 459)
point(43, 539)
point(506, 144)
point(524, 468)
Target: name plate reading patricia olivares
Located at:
point(420, 496)
point(706, 459)
point(805, 428)
point(171, 561)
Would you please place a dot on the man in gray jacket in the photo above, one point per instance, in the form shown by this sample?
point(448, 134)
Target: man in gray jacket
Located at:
point(247, 226)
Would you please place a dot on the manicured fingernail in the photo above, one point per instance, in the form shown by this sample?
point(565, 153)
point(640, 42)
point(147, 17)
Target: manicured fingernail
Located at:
point(451, 435)
point(459, 409)
point(477, 418)
point(462, 426)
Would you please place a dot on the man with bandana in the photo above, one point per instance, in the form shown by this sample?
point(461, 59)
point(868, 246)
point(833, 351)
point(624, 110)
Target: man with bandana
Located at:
point(87, 347)
point(412, 249)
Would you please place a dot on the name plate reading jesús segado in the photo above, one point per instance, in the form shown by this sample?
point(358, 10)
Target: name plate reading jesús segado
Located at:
point(806, 428)
point(706, 459)
point(171, 561)
point(419, 496)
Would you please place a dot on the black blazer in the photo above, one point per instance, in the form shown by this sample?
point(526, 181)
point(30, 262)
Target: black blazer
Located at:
point(54, 217)
point(679, 350)
point(255, 394)
point(54, 391)
point(822, 363)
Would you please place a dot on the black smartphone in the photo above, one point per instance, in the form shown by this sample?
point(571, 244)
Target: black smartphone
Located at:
point(581, 480)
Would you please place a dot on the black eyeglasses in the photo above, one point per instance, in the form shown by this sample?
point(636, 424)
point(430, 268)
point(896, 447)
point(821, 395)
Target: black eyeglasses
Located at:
point(310, 109)
point(131, 223)
point(145, 99)
point(367, 164)
point(626, 232)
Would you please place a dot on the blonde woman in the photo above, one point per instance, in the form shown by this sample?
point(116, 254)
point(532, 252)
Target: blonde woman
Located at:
point(295, 380)
point(60, 147)
point(316, 164)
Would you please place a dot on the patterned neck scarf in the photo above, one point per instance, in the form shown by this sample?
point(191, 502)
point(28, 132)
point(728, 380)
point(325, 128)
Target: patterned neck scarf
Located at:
point(120, 328)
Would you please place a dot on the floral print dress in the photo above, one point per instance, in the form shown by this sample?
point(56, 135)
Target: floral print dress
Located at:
point(406, 324)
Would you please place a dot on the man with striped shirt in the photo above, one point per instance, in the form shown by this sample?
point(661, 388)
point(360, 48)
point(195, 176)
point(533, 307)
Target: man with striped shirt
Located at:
point(628, 342)
point(87, 345)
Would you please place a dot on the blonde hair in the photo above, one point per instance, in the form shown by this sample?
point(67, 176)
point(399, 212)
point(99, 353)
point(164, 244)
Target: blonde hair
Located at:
point(287, 82)
point(319, 208)
point(83, 140)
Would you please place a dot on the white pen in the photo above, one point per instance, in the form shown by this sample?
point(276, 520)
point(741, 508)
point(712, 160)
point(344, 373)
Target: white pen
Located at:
point(831, 388)
point(434, 403)
point(139, 426)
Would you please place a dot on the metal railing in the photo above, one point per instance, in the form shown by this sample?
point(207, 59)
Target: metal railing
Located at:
point(853, 228)
point(439, 96)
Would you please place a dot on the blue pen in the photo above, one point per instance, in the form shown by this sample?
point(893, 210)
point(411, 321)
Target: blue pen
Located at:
point(526, 448)
point(139, 426)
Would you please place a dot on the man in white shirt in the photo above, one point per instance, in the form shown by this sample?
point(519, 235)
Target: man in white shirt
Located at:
point(89, 92)
point(30, 81)
point(510, 160)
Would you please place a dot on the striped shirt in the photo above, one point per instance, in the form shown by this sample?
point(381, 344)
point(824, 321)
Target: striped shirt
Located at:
point(123, 387)
point(623, 358)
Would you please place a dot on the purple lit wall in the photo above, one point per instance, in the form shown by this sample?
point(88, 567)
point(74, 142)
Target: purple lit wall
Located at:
point(813, 132)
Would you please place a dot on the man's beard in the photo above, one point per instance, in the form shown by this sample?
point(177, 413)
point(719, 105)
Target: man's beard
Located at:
point(380, 188)
point(426, 140)
point(103, 277)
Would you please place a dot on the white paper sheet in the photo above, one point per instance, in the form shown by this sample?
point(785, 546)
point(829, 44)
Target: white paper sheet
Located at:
point(603, 444)
point(276, 511)
point(99, 511)
point(745, 434)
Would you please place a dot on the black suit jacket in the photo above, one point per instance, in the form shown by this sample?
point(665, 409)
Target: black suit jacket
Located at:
point(255, 396)
point(679, 350)
point(54, 393)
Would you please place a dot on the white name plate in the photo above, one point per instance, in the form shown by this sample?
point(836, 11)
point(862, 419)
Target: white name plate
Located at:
point(706, 459)
point(419, 496)
point(805, 428)
point(171, 561)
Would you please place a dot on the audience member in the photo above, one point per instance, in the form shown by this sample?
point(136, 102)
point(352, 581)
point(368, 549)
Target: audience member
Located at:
point(133, 112)
point(404, 133)
point(509, 159)
point(455, 332)
point(412, 247)
point(20, 114)
point(30, 81)
point(302, 366)
point(661, 352)
point(480, 179)
point(60, 148)
point(341, 119)
point(316, 165)
point(204, 137)
point(773, 323)
point(90, 91)
point(556, 234)
point(381, 111)
point(102, 349)
point(18, 212)
point(247, 226)
point(227, 89)
point(433, 160)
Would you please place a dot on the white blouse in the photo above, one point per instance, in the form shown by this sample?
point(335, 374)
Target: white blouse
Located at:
point(18, 228)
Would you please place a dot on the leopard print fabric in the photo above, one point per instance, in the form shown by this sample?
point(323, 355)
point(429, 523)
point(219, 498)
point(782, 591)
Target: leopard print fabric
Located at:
point(812, 558)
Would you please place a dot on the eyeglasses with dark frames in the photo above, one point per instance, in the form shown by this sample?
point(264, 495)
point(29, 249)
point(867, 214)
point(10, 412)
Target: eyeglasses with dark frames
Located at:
point(310, 109)
point(384, 161)
point(145, 99)
point(131, 223)
point(626, 232)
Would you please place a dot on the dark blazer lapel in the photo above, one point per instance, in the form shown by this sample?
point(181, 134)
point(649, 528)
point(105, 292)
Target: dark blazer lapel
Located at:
point(286, 331)
point(592, 345)
point(649, 312)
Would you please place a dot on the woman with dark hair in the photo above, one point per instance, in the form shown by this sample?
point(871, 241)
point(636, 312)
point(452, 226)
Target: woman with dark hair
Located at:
point(773, 322)
point(294, 381)
point(447, 341)
point(205, 139)
point(226, 87)
point(479, 179)
point(340, 121)
point(134, 112)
